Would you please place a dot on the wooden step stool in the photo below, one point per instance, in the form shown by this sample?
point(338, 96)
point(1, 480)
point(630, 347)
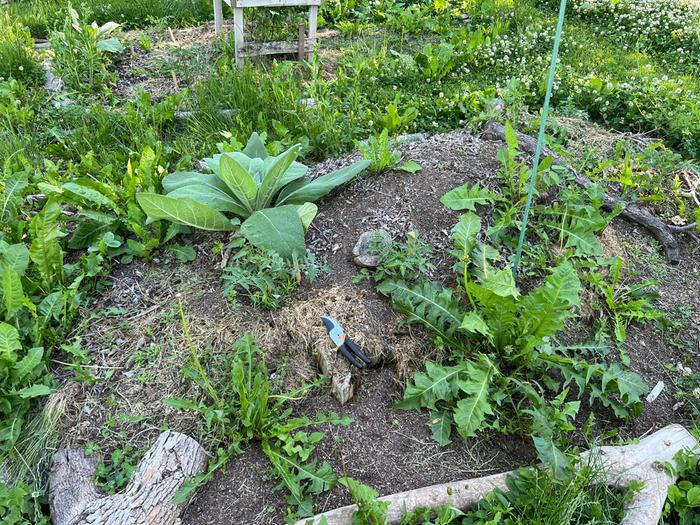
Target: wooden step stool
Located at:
point(304, 45)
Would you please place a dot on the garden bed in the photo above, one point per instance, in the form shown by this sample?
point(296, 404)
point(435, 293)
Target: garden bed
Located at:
point(136, 337)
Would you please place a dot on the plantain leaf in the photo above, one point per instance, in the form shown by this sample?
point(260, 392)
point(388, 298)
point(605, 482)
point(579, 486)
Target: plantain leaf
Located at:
point(278, 229)
point(184, 211)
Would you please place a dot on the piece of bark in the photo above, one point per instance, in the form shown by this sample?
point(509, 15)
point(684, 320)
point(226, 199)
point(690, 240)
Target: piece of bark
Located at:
point(640, 462)
point(659, 229)
point(339, 372)
point(173, 459)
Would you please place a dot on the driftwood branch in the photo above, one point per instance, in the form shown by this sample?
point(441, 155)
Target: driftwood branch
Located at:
point(173, 459)
point(659, 229)
point(641, 462)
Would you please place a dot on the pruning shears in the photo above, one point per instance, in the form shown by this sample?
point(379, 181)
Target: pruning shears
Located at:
point(345, 346)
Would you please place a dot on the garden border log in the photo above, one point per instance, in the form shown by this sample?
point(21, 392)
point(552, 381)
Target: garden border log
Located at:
point(642, 462)
point(660, 230)
point(173, 459)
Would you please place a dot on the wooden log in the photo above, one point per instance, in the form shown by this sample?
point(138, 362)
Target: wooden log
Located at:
point(642, 462)
point(659, 229)
point(173, 459)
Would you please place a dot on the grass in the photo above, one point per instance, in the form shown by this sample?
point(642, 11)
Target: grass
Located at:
point(41, 16)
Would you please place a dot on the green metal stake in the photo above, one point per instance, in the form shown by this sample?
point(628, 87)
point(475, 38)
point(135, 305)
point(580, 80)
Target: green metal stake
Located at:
point(540, 137)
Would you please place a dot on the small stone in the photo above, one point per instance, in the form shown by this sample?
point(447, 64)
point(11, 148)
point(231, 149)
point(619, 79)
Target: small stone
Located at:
point(361, 252)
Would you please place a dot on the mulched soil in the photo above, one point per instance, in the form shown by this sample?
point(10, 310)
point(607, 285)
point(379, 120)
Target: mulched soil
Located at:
point(135, 333)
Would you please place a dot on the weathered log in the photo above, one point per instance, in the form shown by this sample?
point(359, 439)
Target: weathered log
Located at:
point(641, 462)
point(173, 459)
point(659, 229)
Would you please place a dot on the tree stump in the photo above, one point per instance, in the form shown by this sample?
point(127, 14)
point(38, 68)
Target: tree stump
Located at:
point(173, 459)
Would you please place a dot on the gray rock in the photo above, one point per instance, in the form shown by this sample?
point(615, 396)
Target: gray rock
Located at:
point(361, 252)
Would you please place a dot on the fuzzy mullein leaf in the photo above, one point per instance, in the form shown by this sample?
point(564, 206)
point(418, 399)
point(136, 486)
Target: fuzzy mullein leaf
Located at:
point(239, 181)
point(276, 167)
point(471, 411)
point(466, 198)
point(277, 229)
point(543, 311)
point(255, 147)
point(427, 304)
point(184, 211)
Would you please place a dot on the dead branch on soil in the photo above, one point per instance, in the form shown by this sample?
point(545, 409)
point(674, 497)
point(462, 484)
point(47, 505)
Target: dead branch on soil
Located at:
point(173, 459)
point(663, 232)
point(641, 462)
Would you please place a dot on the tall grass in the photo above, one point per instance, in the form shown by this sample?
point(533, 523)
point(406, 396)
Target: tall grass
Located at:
point(17, 58)
point(40, 16)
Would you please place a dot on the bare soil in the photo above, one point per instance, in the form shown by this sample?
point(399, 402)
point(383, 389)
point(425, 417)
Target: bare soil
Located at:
point(135, 335)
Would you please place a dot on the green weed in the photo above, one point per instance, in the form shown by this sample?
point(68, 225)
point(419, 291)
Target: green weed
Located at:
point(83, 52)
point(241, 408)
point(264, 277)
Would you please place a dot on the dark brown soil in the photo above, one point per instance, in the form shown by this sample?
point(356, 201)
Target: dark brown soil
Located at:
point(135, 334)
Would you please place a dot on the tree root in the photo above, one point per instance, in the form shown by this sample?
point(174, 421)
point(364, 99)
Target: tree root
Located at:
point(172, 460)
point(641, 463)
point(663, 232)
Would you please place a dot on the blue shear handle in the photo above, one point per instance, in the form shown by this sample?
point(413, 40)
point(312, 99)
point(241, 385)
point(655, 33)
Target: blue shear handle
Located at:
point(347, 355)
point(356, 350)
